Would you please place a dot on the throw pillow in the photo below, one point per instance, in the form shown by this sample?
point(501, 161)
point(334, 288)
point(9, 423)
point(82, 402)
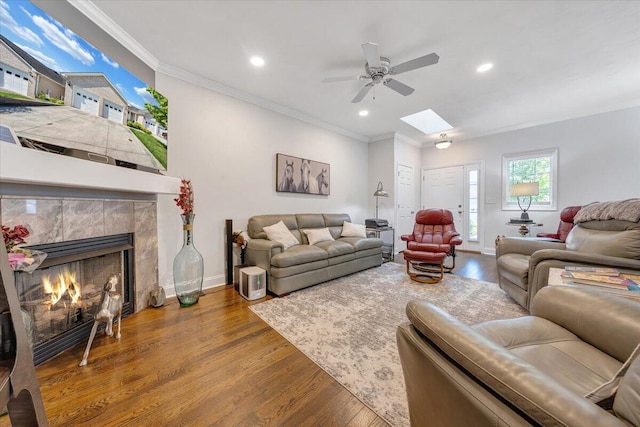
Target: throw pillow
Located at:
point(609, 388)
point(316, 235)
point(627, 402)
point(281, 234)
point(353, 230)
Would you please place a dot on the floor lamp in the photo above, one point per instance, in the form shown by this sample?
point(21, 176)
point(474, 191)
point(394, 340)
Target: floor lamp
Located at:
point(379, 193)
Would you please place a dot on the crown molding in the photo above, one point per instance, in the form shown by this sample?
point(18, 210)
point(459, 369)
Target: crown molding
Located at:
point(95, 14)
point(383, 137)
point(198, 80)
point(404, 138)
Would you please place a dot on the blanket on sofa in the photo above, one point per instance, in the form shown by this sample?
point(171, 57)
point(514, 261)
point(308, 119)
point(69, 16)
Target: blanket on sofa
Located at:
point(624, 210)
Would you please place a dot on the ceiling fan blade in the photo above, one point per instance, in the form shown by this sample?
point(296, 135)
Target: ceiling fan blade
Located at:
point(372, 54)
point(423, 61)
point(341, 79)
point(401, 88)
point(363, 92)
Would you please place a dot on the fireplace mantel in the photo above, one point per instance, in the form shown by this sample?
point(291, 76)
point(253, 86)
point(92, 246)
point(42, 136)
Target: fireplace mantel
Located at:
point(26, 166)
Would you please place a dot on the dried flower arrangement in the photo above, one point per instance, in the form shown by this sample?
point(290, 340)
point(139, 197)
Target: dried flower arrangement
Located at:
point(20, 258)
point(185, 198)
point(240, 239)
point(14, 237)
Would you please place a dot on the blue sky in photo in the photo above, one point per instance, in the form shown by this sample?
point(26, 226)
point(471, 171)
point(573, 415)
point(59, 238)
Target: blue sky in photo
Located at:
point(62, 50)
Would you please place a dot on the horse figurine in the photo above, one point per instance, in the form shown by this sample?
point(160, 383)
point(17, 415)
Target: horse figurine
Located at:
point(323, 182)
point(308, 184)
point(287, 178)
point(110, 307)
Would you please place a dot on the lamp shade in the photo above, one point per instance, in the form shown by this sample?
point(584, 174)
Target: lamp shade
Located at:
point(524, 189)
point(380, 191)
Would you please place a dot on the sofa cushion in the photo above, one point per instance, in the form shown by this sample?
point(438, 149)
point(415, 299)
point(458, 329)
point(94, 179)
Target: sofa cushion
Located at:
point(299, 254)
point(310, 221)
point(429, 247)
point(336, 248)
point(334, 222)
point(611, 238)
point(360, 244)
point(316, 235)
point(257, 223)
point(353, 230)
point(553, 350)
point(627, 402)
point(515, 268)
point(293, 270)
point(280, 233)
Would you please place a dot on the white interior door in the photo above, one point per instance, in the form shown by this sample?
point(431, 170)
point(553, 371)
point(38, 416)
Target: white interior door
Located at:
point(406, 203)
point(444, 188)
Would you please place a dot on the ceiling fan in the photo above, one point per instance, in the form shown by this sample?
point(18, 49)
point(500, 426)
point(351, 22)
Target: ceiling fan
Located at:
point(378, 69)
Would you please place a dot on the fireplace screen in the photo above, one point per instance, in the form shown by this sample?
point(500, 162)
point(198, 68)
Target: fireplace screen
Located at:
point(62, 297)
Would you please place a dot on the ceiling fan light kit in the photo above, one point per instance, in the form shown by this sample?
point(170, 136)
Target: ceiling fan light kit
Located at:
point(378, 69)
point(443, 142)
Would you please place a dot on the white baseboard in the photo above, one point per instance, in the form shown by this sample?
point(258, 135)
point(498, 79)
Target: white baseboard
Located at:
point(207, 283)
point(489, 251)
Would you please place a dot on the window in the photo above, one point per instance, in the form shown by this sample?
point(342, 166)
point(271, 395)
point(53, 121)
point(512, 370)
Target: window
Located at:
point(472, 220)
point(537, 166)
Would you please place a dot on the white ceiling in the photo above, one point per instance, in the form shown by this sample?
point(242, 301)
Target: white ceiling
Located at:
point(554, 60)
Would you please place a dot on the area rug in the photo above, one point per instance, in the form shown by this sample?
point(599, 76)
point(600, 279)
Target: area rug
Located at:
point(347, 326)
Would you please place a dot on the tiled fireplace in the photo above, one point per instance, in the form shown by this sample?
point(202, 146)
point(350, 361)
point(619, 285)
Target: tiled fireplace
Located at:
point(129, 228)
point(61, 298)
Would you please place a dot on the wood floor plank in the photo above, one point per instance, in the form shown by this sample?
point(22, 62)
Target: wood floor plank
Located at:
point(215, 363)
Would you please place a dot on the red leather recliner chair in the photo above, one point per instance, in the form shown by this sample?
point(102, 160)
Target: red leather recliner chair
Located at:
point(566, 224)
point(434, 238)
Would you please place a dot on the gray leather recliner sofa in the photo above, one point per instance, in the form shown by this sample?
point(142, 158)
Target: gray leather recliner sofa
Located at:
point(304, 265)
point(523, 264)
point(532, 370)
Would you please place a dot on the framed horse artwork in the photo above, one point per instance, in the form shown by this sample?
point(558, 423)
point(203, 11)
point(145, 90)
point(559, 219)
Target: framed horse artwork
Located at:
point(298, 175)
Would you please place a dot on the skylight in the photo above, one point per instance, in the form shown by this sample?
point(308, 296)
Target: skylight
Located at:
point(427, 121)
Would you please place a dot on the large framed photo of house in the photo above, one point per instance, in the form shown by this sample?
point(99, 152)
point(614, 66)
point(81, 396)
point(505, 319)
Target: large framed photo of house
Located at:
point(297, 175)
point(60, 94)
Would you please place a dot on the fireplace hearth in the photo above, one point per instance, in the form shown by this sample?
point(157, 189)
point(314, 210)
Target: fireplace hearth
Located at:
point(63, 295)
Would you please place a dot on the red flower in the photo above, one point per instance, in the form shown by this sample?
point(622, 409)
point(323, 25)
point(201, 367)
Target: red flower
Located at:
point(14, 237)
point(185, 198)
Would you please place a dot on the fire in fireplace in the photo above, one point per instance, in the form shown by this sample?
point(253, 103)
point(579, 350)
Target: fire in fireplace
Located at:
point(63, 295)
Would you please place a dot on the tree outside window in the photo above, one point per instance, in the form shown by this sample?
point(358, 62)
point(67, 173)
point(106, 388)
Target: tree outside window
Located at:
point(539, 166)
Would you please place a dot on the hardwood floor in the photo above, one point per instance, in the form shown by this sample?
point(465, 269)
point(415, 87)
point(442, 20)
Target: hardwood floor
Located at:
point(215, 363)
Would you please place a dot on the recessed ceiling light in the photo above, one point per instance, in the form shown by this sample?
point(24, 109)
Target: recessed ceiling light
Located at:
point(363, 113)
point(484, 67)
point(257, 61)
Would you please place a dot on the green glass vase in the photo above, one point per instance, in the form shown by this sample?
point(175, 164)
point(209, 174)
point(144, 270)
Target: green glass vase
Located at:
point(188, 267)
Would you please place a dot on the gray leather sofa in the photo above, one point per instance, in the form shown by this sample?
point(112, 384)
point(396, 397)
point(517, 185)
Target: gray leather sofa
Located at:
point(532, 370)
point(304, 265)
point(523, 264)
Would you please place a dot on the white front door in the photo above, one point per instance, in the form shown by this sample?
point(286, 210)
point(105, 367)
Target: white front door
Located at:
point(406, 204)
point(444, 189)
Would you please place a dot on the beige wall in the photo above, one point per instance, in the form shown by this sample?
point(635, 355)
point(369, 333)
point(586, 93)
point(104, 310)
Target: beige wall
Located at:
point(228, 148)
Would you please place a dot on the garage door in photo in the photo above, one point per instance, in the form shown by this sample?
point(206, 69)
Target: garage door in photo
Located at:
point(112, 111)
point(13, 80)
point(85, 101)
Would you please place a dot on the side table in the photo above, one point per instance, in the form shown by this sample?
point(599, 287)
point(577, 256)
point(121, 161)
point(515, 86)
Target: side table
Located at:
point(524, 227)
point(388, 249)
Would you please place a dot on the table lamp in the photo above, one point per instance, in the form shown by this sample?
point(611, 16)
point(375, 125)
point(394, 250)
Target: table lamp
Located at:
point(524, 189)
